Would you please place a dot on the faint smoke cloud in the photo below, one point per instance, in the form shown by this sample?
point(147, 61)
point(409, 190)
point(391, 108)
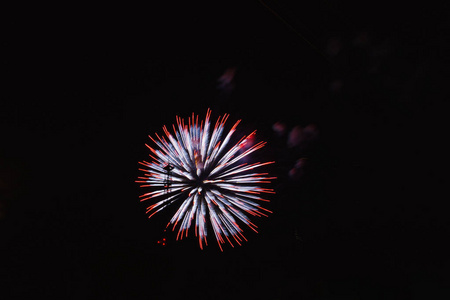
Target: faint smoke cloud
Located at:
point(279, 128)
point(334, 46)
point(298, 170)
point(226, 81)
point(302, 137)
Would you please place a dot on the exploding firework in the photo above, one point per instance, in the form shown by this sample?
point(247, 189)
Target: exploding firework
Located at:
point(207, 177)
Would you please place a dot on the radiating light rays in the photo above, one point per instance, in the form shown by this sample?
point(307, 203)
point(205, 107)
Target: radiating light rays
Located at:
point(207, 177)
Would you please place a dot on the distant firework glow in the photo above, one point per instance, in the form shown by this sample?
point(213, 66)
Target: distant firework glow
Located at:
point(209, 179)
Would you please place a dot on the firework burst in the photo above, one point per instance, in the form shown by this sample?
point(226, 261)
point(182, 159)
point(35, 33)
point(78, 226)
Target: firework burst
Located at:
point(207, 177)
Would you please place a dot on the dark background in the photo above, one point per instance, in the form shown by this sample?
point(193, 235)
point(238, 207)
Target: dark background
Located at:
point(84, 86)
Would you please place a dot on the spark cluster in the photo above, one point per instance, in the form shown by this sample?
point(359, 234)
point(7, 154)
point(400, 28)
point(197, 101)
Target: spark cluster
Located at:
point(198, 169)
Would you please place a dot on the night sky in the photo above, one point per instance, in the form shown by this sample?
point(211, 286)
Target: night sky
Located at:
point(355, 213)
